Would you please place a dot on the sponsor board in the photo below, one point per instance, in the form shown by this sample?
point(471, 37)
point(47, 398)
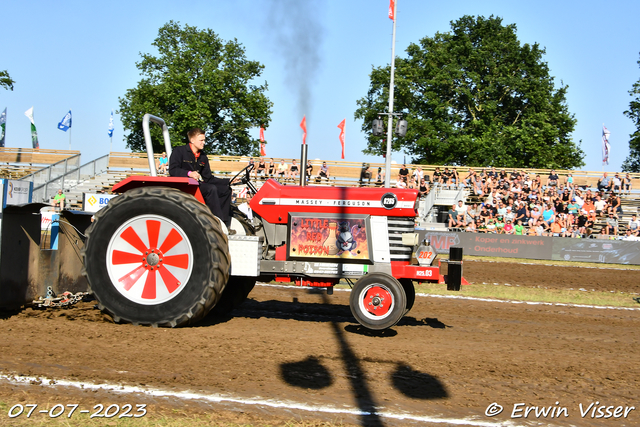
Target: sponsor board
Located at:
point(16, 192)
point(93, 202)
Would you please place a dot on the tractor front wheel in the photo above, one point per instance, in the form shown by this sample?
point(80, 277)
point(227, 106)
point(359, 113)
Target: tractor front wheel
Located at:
point(156, 256)
point(378, 301)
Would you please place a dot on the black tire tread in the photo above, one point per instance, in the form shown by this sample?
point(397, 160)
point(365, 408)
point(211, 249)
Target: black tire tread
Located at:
point(219, 256)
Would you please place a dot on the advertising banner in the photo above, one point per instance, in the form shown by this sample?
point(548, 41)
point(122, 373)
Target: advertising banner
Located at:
point(329, 237)
point(505, 245)
point(17, 192)
point(596, 250)
point(93, 202)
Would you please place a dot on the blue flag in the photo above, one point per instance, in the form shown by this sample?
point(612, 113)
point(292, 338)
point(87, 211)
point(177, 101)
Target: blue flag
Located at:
point(65, 123)
point(111, 125)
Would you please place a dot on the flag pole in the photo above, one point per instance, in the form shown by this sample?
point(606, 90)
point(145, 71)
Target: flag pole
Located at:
point(387, 166)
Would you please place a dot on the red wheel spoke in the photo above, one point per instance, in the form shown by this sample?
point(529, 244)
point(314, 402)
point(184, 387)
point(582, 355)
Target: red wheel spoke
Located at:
point(130, 236)
point(169, 279)
point(173, 238)
point(180, 261)
point(120, 257)
point(153, 230)
point(149, 291)
point(131, 278)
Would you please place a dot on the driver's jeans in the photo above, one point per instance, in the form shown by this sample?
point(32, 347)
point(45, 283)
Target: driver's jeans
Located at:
point(218, 199)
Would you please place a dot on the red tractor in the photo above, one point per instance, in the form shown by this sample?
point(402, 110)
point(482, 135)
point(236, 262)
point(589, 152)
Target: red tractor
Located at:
point(157, 256)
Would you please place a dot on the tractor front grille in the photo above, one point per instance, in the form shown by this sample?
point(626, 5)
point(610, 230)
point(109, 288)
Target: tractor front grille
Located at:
point(397, 226)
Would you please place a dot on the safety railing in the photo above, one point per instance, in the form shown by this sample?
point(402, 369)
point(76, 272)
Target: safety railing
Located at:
point(44, 191)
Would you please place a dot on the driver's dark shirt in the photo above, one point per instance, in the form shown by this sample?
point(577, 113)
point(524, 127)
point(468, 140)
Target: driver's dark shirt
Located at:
point(184, 161)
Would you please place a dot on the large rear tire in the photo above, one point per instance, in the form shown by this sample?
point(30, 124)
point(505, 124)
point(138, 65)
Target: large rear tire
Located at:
point(377, 301)
point(156, 256)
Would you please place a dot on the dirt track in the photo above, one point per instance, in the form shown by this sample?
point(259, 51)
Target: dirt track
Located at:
point(447, 359)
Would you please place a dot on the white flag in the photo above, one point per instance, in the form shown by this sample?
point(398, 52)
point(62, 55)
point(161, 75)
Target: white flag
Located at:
point(606, 147)
point(29, 114)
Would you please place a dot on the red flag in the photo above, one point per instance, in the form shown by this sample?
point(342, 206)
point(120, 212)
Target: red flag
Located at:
point(261, 134)
point(262, 152)
point(392, 4)
point(303, 125)
point(341, 127)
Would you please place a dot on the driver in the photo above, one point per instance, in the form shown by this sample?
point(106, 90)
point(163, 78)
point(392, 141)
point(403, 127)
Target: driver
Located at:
point(190, 160)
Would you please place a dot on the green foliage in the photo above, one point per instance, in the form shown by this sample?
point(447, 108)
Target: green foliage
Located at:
point(5, 80)
point(632, 162)
point(197, 80)
point(476, 97)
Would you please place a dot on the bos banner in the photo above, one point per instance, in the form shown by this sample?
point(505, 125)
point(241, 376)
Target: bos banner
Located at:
point(15, 192)
point(532, 247)
point(93, 202)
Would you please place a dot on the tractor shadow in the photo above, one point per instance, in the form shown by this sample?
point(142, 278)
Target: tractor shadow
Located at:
point(310, 373)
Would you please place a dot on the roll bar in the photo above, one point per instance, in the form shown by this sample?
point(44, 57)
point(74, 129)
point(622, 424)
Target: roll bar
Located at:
point(147, 139)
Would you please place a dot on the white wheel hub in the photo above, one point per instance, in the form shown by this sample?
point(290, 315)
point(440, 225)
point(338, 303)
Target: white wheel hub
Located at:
point(149, 259)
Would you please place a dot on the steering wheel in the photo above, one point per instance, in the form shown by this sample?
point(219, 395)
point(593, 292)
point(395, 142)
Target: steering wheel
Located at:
point(246, 179)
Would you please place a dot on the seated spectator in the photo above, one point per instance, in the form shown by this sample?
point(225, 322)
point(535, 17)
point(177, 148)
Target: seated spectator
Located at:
point(634, 225)
point(365, 173)
point(630, 236)
point(510, 215)
point(59, 200)
point(509, 228)
point(470, 178)
point(437, 177)
point(163, 164)
point(600, 205)
point(380, 177)
point(611, 227)
point(471, 227)
point(323, 173)
point(461, 212)
point(519, 228)
point(309, 170)
point(548, 215)
point(604, 183)
point(403, 173)
point(283, 170)
point(413, 185)
point(552, 180)
point(500, 224)
point(614, 204)
point(491, 226)
point(588, 205)
point(418, 174)
point(261, 170)
point(481, 227)
point(485, 214)
point(400, 183)
point(446, 177)
point(626, 183)
point(472, 213)
point(271, 168)
point(616, 183)
point(568, 181)
point(294, 170)
point(452, 216)
point(423, 189)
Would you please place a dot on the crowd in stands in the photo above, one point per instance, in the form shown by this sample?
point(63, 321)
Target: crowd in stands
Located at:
point(526, 204)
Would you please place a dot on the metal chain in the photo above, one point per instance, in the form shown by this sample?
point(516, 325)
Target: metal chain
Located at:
point(64, 300)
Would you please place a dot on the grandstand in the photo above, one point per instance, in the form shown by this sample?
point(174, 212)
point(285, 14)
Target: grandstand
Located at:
point(19, 163)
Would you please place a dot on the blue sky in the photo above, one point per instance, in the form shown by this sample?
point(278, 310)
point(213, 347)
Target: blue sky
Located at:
point(81, 56)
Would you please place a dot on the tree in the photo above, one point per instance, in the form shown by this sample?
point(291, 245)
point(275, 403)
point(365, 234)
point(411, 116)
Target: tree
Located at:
point(632, 162)
point(5, 80)
point(197, 80)
point(475, 97)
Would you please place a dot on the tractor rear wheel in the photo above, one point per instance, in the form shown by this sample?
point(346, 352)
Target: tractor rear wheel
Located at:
point(377, 301)
point(156, 256)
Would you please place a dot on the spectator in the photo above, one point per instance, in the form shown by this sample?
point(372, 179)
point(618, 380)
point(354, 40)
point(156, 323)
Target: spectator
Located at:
point(634, 225)
point(261, 170)
point(446, 177)
point(548, 215)
point(604, 183)
point(418, 174)
point(481, 227)
point(245, 207)
point(600, 205)
point(500, 224)
point(271, 168)
point(611, 227)
point(518, 228)
point(471, 227)
point(509, 228)
point(403, 174)
point(399, 184)
point(283, 170)
point(323, 173)
point(491, 226)
point(424, 188)
point(365, 173)
point(455, 178)
point(626, 183)
point(309, 170)
point(437, 176)
point(294, 170)
point(59, 200)
point(472, 213)
point(461, 212)
point(163, 164)
point(379, 177)
point(568, 181)
point(452, 216)
point(616, 183)
point(614, 204)
point(552, 181)
point(412, 184)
